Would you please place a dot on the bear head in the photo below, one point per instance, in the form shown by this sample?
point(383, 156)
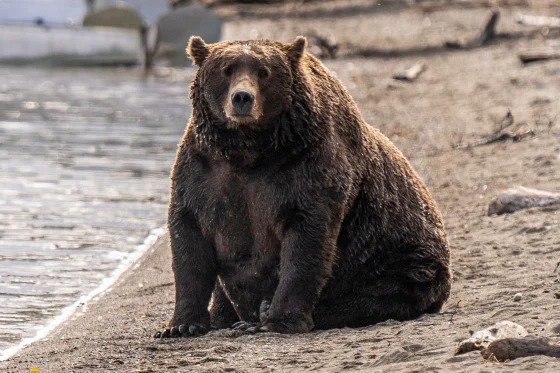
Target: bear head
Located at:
point(244, 83)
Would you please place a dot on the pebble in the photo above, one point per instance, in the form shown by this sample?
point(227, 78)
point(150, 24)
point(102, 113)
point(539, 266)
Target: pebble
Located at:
point(517, 297)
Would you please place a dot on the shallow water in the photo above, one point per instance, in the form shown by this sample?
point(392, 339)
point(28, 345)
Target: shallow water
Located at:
point(84, 176)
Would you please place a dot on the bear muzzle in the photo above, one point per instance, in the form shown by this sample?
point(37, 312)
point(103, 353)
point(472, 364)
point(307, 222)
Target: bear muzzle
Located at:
point(242, 101)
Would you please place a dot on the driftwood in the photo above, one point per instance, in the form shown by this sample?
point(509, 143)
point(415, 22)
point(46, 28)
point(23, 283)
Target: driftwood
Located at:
point(512, 348)
point(539, 54)
point(438, 5)
point(326, 46)
point(519, 198)
point(487, 34)
point(507, 340)
point(501, 135)
point(412, 73)
point(505, 136)
point(481, 339)
point(540, 21)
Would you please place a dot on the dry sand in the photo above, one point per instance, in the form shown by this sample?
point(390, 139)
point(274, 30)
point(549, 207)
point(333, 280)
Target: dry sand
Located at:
point(459, 99)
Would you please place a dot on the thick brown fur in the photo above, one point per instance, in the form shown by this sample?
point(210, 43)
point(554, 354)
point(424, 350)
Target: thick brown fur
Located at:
point(299, 215)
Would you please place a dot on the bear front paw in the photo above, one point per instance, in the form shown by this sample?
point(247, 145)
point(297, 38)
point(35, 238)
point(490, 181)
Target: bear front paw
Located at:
point(183, 330)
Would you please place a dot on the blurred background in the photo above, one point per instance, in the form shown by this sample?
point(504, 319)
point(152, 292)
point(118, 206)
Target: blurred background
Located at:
point(94, 99)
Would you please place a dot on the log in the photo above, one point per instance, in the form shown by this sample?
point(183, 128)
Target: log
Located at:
point(326, 46)
point(489, 31)
point(412, 73)
point(487, 34)
point(481, 339)
point(540, 21)
point(512, 348)
point(438, 5)
point(501, 135)
point(507, 340)
point(539, 54)
point(519, 198)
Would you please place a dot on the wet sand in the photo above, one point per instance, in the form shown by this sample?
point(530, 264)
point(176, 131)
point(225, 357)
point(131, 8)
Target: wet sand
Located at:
point(459, 99)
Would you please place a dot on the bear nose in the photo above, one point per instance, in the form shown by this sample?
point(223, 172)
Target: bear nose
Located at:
point(242, 101)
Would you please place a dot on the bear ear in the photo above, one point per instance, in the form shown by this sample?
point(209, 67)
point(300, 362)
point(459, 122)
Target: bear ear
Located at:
point(197, 50)
point(296, 49)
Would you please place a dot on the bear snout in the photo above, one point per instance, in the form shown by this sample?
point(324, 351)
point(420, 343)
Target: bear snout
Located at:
point(242, 102)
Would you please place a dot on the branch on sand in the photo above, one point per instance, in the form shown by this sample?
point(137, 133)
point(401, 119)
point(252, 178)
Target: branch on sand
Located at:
point(539, 54)
point(438, 5)
point(501, 135)
point(487, 34)
point(412, 73)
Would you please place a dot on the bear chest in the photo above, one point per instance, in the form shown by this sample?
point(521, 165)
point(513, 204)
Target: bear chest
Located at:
point(237, 213)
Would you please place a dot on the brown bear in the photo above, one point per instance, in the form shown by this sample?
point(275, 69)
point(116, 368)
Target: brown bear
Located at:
point(288, 212)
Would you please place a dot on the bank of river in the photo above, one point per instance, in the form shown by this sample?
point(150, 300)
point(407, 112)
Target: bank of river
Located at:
point(84, 164)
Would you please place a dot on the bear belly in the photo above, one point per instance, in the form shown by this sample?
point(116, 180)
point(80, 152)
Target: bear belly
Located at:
point(247, 251)
point(247, 283)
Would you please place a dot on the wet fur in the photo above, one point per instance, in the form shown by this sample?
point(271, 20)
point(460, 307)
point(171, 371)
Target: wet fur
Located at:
point(311, 209)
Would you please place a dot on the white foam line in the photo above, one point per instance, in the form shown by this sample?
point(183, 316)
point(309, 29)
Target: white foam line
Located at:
point(107, 282)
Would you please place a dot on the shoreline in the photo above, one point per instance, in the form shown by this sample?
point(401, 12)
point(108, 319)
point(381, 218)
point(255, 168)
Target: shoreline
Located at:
point(83, 326)
point(73, 310)
point(85, 157)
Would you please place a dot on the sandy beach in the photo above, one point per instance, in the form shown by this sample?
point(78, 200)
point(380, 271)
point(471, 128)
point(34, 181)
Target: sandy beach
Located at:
point(459, 100)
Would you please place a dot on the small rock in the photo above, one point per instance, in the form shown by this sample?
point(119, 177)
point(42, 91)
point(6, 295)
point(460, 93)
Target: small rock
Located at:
point(517, 297)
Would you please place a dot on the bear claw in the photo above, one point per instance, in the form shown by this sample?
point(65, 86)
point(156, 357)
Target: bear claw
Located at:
point(243, 325)
point(249, 327)
point(263, 311)
point(182, 330)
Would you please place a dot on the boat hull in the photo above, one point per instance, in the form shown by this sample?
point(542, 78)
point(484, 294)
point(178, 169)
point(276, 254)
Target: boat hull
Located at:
point(70, 46)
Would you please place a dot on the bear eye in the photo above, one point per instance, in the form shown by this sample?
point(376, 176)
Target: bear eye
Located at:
point(263, 72)
point(228, 70)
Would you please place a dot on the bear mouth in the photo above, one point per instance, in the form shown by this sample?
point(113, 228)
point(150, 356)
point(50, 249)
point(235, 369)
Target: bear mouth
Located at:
point(245, 119)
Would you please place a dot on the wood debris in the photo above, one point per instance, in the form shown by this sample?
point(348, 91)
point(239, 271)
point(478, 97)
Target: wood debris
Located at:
point(507, 340)
point(541, 21)
point(502, 134)
point(481, 339)
point(412, 73)
point(487, 34)
point(439, 5)
point(539, 54)
point(518, 198)
point(323, 46)
point(512, 348)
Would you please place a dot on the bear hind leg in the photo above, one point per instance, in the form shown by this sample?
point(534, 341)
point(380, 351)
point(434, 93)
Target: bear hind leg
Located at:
point(372, 305)
point(360, 310)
